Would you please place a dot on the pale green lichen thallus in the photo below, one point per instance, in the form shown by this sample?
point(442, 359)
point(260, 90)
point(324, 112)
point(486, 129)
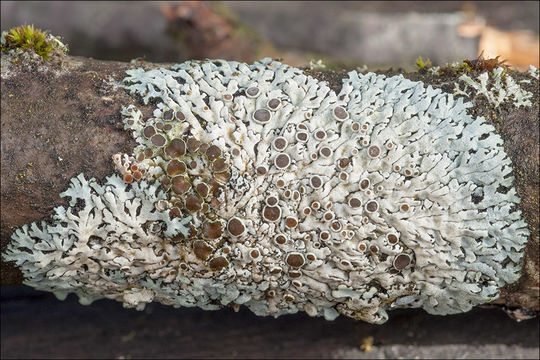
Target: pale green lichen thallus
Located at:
point(258, 185)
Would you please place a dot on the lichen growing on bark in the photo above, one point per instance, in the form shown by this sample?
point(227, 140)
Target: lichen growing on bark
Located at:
point(280, 194)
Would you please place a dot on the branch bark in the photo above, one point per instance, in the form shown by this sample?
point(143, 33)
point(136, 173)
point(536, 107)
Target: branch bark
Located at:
point(60, 120)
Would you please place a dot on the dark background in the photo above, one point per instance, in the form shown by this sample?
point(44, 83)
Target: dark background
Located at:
point(36, 325)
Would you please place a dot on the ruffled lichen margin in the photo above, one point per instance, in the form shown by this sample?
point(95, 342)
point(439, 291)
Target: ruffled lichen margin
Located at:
point(344, 309)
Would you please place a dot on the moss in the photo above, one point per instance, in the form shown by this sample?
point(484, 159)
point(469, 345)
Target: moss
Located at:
point(423, 65)
point(27, 37)
point(479, 64)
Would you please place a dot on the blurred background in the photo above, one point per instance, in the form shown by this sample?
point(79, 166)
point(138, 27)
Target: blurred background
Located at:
point(344, 34)
point(373, 35)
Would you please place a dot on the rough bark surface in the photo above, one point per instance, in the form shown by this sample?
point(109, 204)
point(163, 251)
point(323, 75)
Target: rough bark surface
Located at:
point(60, 120)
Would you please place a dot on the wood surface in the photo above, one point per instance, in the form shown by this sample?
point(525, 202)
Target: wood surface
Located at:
point(60, 120)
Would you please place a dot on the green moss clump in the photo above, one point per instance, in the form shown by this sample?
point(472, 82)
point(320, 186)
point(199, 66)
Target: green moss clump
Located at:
point(462, 68)
point(423, 65)
point(36, 40)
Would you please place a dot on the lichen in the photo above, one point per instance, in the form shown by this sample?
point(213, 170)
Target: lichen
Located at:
point(498, 87)
point(259, 185)
point(103, 223)
point(316, 64)
point(533, 72)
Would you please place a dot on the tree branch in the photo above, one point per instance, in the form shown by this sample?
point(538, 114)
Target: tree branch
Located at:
point(60, 120)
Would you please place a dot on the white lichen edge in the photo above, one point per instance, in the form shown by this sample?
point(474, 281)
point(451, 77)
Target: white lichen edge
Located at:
point(460, 237)
point(497, 87)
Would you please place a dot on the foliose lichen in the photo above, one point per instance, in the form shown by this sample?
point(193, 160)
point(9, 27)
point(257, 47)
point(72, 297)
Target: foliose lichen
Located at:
point(497, 87)
point(258, 185)
point(533, 72)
